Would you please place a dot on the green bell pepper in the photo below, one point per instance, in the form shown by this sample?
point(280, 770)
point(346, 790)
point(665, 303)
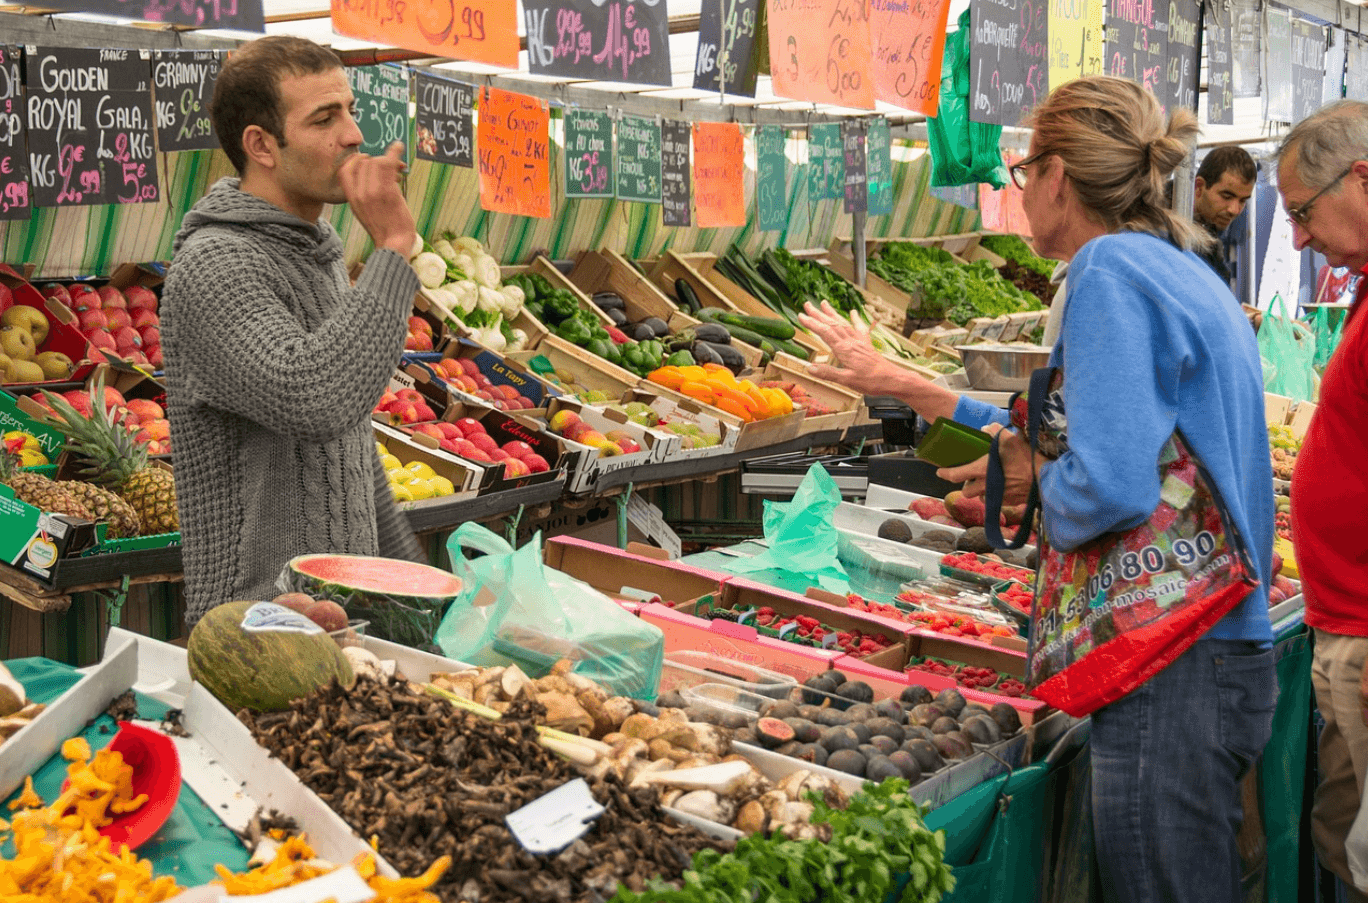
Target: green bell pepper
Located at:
point(574, 332)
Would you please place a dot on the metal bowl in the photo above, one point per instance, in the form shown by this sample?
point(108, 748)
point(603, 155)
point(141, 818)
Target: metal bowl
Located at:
point(1002, 368)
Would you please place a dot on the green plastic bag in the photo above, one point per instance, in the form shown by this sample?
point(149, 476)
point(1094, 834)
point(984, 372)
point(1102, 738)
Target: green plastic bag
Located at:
point(515, 610)
point(1291, 350)
point(801, 535)
point(962, 151)
point(1327, 335)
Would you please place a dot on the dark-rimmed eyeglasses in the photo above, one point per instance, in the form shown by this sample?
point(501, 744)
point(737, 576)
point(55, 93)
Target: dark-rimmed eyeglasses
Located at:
point(1301, 215)
point(1018, 170)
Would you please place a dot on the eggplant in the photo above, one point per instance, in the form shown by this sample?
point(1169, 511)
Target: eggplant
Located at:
point(658, 326)
point(639, 332)
point(609, 301)
point(726, 355)
point(618, 317)
point(714, 333)
point(705, 354)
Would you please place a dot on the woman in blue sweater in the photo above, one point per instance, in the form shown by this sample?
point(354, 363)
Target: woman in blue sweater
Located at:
point(1151, 342)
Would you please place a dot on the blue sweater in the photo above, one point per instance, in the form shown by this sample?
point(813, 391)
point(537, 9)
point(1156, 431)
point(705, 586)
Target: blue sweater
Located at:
point(1151, 340)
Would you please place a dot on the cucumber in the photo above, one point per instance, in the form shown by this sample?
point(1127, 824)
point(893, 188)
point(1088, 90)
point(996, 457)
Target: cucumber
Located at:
point(768, 326)
point(792, 348)
point(687, 296)
point(745, 335)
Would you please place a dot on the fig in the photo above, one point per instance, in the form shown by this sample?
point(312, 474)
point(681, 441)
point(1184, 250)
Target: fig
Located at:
point(892, 710)
point(885, 745)
point(848, 761)
point(804, 731)
point(970, 710)
point(1008, 721)
point(982, 729)
point(832, 718)
point(861, 711)
point(861, 730)
point(810, 712)
point(895, 530)
point(926, 754)
point(944, 725)
point(915, 695)
point(837, 677)
point(838, 738)
point(811, 752)
point(953, 745)
point(907, 764)
point(773, 732)
point(887, 727)
point(880, 768)
point(856, 691)
point(780, 708)
point(926, 715)
point(915, 731)
point(951, 701)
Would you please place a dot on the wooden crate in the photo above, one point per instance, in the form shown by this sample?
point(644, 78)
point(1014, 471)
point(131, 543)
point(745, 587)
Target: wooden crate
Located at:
point(846, 402)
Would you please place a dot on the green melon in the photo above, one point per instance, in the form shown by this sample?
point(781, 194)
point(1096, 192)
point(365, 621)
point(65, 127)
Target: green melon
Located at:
point(263, 660)
point(403, 601)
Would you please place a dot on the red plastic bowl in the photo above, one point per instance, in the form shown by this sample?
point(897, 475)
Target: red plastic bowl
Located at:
point(156, 772)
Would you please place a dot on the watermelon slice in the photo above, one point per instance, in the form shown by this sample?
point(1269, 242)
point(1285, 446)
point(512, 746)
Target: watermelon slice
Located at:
point(403, 601)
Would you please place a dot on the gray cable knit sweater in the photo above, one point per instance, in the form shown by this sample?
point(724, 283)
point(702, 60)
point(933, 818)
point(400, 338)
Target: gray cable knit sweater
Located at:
point(273, 363)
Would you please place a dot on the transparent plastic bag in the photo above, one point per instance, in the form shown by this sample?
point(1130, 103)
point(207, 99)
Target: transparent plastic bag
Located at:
point(514, 609)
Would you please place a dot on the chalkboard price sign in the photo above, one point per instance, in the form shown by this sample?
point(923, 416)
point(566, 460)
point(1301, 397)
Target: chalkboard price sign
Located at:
point(1246, 43)
point(1356, 66)
point(879, 166)
point(1137, 43)
point(1279, 101)
point(675, 174)
point(183, 81)
point(638, 160)
point(240, 15)
point(14, 187)
point(1308, 68)
point(89, 127)
point(444, 130)
point(616, 40)
point(826, 163)
point(382, 97)
point(771, 177)
point(1009, 59)
point(1220, 74)
point(588, 154)
point(726, 47)
point(1184, 53)
point(853, 152)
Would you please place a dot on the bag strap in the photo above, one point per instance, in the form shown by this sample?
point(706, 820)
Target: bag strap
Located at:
point(995, 481)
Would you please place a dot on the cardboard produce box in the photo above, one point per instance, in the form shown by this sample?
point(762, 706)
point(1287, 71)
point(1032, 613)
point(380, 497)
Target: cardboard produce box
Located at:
point(24, 414)
point(655, 446)
point(742, 594)
point(739, 642)
point(500, 372)
point(886, 671)
point(669, 409)
point(465, 476)
point(749, 435)
point(628, 577)
point(502, 429)
point(37, 542)
point(64, 334)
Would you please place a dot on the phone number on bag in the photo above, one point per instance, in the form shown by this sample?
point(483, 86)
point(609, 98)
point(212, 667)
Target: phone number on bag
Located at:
point(1150, 560)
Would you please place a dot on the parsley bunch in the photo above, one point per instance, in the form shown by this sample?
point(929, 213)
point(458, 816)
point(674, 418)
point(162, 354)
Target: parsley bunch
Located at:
point(1013, 248)
point(875, 841)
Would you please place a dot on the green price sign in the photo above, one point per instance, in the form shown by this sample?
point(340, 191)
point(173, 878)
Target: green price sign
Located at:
point(826, 162)
point(382, 102)
point(879, 167)
point(771, 168)
point(588, 154)
point(638, 159)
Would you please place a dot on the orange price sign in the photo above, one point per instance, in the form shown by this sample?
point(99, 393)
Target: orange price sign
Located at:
point(1001, 209)
point(719, 159)
point(909, 40)
point(513, 143)
point(821, 51)
point(485, 31)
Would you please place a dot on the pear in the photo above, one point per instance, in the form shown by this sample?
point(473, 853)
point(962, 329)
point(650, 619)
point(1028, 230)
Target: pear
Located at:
point(17, 342)
point(55, 365)
point(31, 318)
point(24, 372)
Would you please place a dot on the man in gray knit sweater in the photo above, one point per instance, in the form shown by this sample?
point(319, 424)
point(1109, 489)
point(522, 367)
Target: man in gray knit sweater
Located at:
point(273, 360)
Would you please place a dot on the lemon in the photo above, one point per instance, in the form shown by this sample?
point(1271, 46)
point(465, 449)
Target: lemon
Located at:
point(390, 463)
point(380, 448)
point(442, 486)
point(31, 457)
point(420, 469)
point(401, 492)
point(419, 488)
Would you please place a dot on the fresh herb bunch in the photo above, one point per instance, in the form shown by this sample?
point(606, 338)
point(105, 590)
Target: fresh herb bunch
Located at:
point(876, 840)
point(956, 292)
point(1013, 248)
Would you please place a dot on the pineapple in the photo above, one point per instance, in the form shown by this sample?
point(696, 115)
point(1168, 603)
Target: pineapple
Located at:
point(122, 519)
point(38, 491)
point(117, 461)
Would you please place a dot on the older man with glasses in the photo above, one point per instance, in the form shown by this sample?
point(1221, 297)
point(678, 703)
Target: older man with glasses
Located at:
point(1323, 180)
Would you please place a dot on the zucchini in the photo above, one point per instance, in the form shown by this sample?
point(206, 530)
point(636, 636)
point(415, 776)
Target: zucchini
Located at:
point(792, 348)
point(687, 296)
point(745, 335)
point(769, 326)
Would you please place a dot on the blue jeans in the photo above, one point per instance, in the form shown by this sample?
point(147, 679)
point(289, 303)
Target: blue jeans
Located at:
point(1167, 761)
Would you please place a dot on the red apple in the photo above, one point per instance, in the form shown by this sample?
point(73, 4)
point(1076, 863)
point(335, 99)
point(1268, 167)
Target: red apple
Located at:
point(58, 291)
point(386, 399)
point(144, 317)
point(136, 357)
point(424, 412)
point(470, 367)
point(422, 341)
point(111, 298)
point(450, 446)
point(92, 318)
point(450, 430)
point(151, 335)
point(80, 400)
point(464, 448)
point(498, 404)
point(83, 297)
point(476, 454)
point(154, 355)
point(429, 429)
point(466, 384)
point(536, 464)
point(127, 338)
point(118, 318)
point(100, 338)
point(514, 468)
point(418, 324)
point(6, 298)
point(470, 427)
point(140, 298)
point(499, 454)
point(481, 380)
point(518, 448)
point(484, 442)
point(412, 396)
point(628, 446)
